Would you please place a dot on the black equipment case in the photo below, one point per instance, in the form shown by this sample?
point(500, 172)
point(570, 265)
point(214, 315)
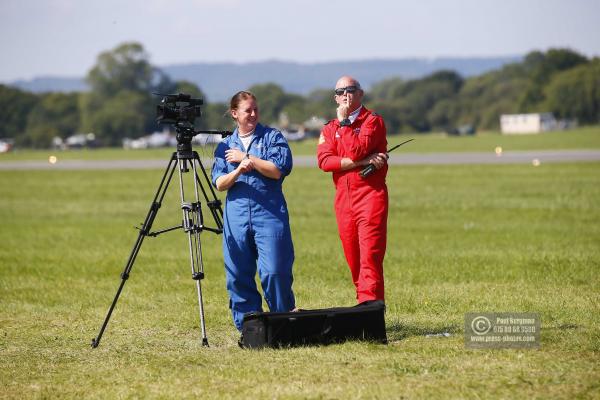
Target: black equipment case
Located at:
point(324, 326)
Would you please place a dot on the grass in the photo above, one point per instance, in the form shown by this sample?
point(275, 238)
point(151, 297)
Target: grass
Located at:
point(508, 238)
point(581, 138)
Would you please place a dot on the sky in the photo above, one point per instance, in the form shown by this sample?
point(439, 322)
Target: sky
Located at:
point(63, 38)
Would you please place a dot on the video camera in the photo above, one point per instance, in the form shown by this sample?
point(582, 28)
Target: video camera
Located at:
point(178, 109)
point(181, 110)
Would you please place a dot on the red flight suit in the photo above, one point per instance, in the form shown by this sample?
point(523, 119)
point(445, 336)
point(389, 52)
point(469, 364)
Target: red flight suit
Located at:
point(361, 205)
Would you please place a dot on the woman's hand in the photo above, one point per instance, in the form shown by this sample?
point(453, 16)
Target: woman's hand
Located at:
point(225, 182)
point(234, 155)
point(246, 165)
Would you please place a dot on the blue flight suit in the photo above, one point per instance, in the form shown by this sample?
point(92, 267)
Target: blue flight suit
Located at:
point(256, 228)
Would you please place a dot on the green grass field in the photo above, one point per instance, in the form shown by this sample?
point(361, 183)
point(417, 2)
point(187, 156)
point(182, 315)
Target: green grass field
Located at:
point(494, 238)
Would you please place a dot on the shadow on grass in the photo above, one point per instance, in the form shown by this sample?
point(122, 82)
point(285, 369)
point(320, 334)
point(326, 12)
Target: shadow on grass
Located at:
point(397, 331)
point(561, 327)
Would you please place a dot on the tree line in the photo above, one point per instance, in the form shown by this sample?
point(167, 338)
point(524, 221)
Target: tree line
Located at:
point(120, 102)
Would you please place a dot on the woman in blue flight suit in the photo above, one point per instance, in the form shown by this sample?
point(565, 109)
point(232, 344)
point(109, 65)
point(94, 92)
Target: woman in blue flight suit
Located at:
point(251, 165)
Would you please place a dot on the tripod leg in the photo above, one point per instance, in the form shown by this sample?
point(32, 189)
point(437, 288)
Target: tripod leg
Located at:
point(193, 225)
point(201, 312)
point(198, 271)
point(212, 202)
point(144, 231)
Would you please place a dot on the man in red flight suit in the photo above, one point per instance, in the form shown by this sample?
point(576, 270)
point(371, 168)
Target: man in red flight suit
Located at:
point(346, 145)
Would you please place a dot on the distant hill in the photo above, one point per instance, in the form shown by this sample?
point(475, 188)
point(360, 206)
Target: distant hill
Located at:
point(51, 84)
point(220, 80)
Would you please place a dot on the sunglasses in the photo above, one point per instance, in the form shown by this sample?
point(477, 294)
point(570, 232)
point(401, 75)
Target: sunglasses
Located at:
point(348, 89)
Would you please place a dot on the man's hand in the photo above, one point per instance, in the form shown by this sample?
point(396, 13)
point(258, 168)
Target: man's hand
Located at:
point(343, 111)
point(234, 156)
point(377, 159)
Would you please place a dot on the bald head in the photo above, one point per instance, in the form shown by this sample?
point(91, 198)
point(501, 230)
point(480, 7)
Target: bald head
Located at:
point(345, 81)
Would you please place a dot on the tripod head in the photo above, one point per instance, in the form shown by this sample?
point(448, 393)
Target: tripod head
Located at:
point(181, 110)
point(185, 134)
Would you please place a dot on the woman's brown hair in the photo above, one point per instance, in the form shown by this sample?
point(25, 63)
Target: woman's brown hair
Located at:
point(238, 98)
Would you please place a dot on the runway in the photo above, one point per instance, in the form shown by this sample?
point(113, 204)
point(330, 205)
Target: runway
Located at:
point(508, 157)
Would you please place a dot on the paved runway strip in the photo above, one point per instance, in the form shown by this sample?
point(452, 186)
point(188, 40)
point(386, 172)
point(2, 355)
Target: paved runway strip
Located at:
point(508, 157)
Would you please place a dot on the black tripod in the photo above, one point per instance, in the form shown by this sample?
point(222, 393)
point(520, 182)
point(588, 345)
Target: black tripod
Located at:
point(193, 222)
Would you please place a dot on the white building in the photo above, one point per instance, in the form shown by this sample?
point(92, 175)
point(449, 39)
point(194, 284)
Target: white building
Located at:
point(511, 124)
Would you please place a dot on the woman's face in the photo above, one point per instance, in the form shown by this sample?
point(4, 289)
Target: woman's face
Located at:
point(246, 115)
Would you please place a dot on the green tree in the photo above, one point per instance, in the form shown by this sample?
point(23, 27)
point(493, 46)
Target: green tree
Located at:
point(406, 105)
point(124, 68)
point(395, 113)
point(216, 116)
point(120, 116)
point(55, 115)
point(295, 108)
point(271, 101)
point(482, 99)
point(321, 103)
point(389, 89)
point(444, 114)
point(575, 93)
point(15, 106)
point(540, 68)
point(120, 102)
